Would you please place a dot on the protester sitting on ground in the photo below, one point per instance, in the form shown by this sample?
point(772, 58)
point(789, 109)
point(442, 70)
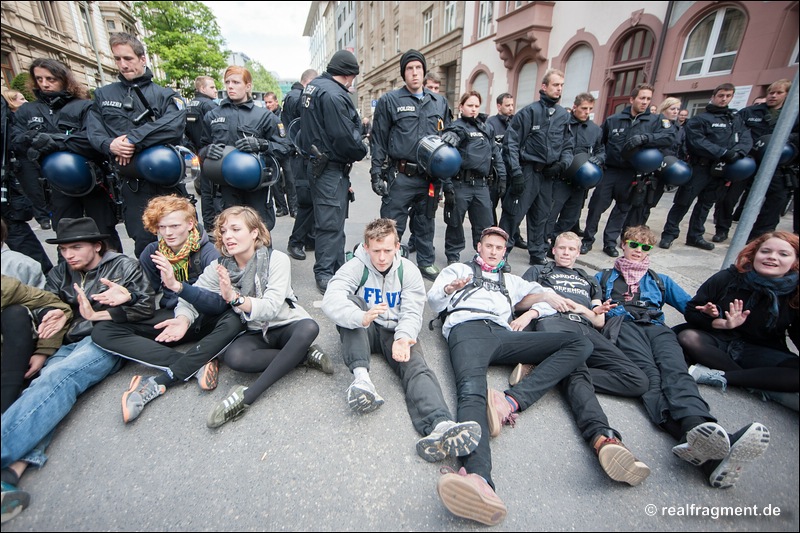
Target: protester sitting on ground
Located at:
point(607, 370)
point(18, 265)
point(29, 336)
point(377, 301)
point(479, 300)
point(256, 281)
point(672, 400)
point(177, 259)
point(740, 317)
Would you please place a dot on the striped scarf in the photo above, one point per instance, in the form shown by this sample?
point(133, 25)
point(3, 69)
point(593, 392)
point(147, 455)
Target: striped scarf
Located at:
point(180, 259)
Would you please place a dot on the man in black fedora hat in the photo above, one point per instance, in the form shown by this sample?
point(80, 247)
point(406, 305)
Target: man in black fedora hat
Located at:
point(99, 285)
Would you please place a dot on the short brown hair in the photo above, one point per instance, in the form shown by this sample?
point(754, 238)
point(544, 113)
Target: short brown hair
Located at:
point(724, 87)
point(642, 87)
point(117, 39)
point(466, 96)
point(549, 74)
point(641, 234)
point(583, 97)
point(380, 228)
point(160, 206)
point(251, 219)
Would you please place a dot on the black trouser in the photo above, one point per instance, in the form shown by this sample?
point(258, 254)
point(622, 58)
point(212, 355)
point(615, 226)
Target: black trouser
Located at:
point(95, 205)
point(330, 192)
point(638, 215)
point(726, 205)
point(303, 231)
point(135, 341)
point(22, 239)
point(284, 190)
point(614, 180)
point(210, 205)
point(412, 192)
point(18, 347)
point(476, 344)
point(783, 183)
point(672, 393)
point(32, 188)
point(472, 199)
point(135, 196)
point(260, 200)
point(707, 190)
point(566, 210)
point(535, 202)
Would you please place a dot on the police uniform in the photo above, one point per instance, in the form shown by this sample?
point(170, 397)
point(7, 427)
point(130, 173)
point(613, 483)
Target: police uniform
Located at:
point(303, 230)
point(116, 107)
point(196, 109)
point(619, 174)
point(497, 125)
point(231, 122)
point(331, 130)
point(537, 142)
point(568, 198)
point(709, 136)
point(401, 119)
point(479, 155)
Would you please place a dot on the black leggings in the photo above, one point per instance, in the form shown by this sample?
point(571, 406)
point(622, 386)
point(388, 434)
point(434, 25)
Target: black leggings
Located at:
point(284, 348)
point(759, 367)
point(18, 347)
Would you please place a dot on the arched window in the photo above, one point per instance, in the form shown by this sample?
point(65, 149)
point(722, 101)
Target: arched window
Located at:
point(638, 45)
point(481, 86)
point(712, 45)
point(527, 84)
point(576, 74)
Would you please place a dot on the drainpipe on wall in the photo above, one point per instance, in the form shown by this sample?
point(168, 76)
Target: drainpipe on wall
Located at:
point(662, 38)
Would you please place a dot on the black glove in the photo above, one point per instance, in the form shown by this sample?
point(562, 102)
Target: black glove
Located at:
point(451, 138)
point(252, 145)
point(43, 144)
point(596, 161)
point(449, 198)
point(731, 156)
point(635, 142)
point(215, 151)
point(448, 187)
point(379, 186)
point(501, 187)
point(552, 171)
point(517, 185)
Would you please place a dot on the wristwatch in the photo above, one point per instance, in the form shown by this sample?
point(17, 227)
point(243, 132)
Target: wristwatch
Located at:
point(236, 302)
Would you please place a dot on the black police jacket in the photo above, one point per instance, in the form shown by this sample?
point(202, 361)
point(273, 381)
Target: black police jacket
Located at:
point(620, 127)
point(330, 121)
point(479, 152)
point(401, 120)
point(196, 109)
point(712, 133)
point(498, 124)
point(109, 119)
point(230, 122)
point(538, 134)
point(291, 104)
point(588, 138)
point(64, 114)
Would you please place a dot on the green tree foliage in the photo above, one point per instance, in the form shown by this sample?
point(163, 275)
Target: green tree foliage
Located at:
point(20, 83)
point(186, 39)
point(263, 81)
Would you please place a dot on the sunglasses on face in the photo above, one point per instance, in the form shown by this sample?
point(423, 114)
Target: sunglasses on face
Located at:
point(634, 245)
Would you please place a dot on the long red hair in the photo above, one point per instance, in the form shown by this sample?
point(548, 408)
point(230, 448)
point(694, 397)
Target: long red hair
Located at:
point(744, 261)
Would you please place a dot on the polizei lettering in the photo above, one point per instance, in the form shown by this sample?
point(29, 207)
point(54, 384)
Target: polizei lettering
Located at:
point(404, 108)
point(111, 103)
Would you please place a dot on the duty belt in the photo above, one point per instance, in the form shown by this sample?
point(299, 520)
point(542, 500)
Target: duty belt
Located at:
point(471, 177)
point(408, 168)
point(344, 167)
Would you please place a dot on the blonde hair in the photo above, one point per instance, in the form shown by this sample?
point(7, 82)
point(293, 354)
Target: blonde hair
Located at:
point(667, 103)
point(566, 236)
point(11, 96)
point(251, 219)
point(381, 228)
point(160, 206)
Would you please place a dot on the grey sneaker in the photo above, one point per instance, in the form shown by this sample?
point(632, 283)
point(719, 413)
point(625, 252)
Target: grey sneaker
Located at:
point(362, 397)
point(140, 392)
point(449, 439)
point(708, 376)
point(229, 409)
point(706, 442)
point(318, 360)
point(748, 443)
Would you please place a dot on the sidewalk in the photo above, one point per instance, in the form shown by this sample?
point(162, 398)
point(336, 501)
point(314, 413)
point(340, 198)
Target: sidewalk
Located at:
point(300, 460)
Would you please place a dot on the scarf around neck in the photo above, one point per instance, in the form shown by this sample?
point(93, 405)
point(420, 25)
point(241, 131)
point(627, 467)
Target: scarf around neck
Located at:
point(252, 280)
point(632, 272)
point(180, 259)
point(769, 289)
point(487, 268)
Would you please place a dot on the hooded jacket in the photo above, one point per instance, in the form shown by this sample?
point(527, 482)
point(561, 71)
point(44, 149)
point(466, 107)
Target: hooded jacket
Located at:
point(406, 299)
point(37, 301)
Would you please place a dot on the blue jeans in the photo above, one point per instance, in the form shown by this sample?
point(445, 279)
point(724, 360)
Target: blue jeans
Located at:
point(50, 397)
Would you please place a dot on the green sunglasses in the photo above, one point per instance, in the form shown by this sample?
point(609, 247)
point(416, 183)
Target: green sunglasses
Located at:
point(634, 245)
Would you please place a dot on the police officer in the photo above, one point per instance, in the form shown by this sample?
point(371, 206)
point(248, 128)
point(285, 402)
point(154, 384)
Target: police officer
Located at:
point(761, 120)
point(129, 116)
point(196, 109)
point(468, 192)
point(568, 198)
point(283, 190)
point(331, 136)
point(303, 231)
point(56, 122)
point(239, 122)
point(632, 129)
point(717, 135)
point(538, 145)
point(402, 118)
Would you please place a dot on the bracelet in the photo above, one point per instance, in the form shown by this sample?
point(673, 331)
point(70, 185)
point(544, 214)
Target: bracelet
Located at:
point(235, 297)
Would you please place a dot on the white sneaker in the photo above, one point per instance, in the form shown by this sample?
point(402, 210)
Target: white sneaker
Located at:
point(708, 376)
point(449, 439)
point(362, 397)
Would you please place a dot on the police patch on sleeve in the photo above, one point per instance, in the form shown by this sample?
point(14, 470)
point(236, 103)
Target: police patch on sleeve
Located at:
point(179, 102)
point(281, 129)
point(665, 123)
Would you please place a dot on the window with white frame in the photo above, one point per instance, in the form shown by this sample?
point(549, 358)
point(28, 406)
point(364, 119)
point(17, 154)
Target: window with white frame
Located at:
point(449, 16)
point(712, 45)
point(427, 26)
point(576, 74)
point(481, 86)
point(485, 19)
point(527, 84)
point(397, 39)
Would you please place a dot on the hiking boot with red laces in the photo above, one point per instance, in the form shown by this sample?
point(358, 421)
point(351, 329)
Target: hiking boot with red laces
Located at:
point(470, 496)
point(498, 411)
point(208, 375)
point(520, 372)
point(618, 462)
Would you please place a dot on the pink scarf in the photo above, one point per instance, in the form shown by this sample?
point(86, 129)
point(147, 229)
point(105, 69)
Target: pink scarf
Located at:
point(632, 272)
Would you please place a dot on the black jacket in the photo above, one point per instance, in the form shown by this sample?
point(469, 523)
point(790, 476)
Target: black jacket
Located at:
point(588, 138)
point(479, 152)
point(291, 104)
point(196, 109)
point(717, 130)
point(118, 268)
point(538, 134)
point(498, 124)
point(620, 127)
point(230, 122)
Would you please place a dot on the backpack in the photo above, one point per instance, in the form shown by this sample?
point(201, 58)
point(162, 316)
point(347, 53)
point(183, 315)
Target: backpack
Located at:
point(350, 255)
